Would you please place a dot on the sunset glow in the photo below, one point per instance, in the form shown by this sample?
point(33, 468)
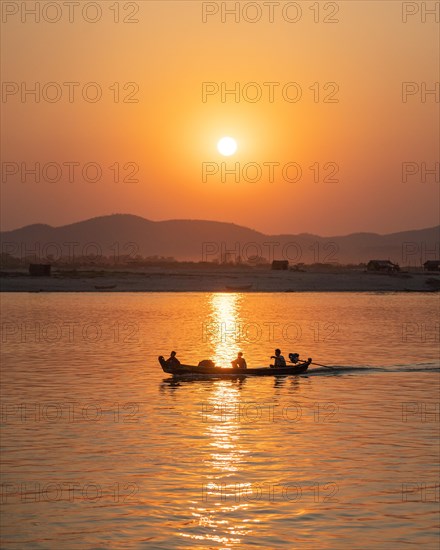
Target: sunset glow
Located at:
point(292, 87)
point(227, 146)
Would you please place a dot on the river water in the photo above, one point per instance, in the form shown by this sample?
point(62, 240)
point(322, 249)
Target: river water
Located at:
point(101, 449)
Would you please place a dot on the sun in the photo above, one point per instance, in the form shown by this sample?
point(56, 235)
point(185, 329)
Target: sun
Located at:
point(227, 146)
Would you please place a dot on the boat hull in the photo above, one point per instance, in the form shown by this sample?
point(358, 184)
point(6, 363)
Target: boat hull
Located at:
point(219, 372)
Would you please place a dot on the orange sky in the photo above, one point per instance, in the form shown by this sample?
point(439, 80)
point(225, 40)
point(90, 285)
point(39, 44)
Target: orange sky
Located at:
point(170, 132)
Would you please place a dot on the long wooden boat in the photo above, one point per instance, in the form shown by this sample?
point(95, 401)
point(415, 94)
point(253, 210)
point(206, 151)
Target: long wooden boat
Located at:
point(219, 372)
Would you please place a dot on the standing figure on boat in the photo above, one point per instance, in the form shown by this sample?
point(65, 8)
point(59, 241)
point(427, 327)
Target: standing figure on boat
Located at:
point(279, 360)
point(239, 362)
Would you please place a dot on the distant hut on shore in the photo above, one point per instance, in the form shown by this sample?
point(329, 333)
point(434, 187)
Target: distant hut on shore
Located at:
point(40, 270)
point(382, 266)
point(280, 265)
point(432, 265)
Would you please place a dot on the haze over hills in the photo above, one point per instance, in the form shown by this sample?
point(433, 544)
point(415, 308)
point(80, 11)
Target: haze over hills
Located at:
point(198, 240)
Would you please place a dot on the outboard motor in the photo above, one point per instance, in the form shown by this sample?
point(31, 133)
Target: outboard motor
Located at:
point(294, 357)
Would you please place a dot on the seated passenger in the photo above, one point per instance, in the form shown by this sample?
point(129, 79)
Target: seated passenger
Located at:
point(172, 360)
point(279, 359)
point(240, 362)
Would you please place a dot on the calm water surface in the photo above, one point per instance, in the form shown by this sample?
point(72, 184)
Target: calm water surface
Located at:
point(101, 449)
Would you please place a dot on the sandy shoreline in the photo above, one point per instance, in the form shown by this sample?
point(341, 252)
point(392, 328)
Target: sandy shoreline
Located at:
point(197, 280)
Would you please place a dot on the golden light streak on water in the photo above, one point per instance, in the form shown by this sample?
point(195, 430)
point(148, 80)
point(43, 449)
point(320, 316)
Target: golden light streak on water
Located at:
point(226, 456)
point(226, 321)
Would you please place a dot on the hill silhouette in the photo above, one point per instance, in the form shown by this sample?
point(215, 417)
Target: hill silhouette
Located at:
point(208, 240)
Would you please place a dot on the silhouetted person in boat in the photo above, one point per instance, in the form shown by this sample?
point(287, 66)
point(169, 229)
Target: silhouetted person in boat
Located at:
point(172, 360)
point(240, 362)
point(279, 360)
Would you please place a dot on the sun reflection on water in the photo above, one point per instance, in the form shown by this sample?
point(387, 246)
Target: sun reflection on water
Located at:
point(224, 327)
point(221, 518)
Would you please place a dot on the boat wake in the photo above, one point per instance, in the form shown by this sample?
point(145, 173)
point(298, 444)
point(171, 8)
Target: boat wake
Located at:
point(339, 369)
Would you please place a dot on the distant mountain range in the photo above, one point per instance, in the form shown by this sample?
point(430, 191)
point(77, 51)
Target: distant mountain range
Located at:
point(124, 234)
